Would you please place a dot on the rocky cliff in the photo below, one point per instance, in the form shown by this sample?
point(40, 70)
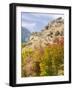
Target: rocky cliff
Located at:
point(51, 34)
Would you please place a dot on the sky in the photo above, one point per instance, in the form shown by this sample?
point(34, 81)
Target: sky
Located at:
point(35, 22)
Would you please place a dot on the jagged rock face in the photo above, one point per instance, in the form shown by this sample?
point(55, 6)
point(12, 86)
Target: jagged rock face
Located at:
point(52, 31)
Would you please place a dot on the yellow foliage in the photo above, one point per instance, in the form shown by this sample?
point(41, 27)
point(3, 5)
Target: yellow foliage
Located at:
point(46, 61)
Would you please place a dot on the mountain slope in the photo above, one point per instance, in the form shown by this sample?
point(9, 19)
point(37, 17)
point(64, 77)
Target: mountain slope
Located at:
point(43, 53)
point(51, 34)
point(25, 34)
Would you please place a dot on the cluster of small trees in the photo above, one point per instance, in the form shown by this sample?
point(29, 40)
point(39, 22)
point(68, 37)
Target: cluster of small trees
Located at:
point(43, 61)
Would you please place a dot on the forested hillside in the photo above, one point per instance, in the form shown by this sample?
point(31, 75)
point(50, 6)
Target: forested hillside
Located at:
point(43, 53)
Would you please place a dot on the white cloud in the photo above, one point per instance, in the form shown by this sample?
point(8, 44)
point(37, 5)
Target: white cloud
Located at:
point(48, 15)
point(29, 26)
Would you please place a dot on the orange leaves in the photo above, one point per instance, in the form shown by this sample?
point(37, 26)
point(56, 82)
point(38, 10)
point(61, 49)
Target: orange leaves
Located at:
point(59, 40)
